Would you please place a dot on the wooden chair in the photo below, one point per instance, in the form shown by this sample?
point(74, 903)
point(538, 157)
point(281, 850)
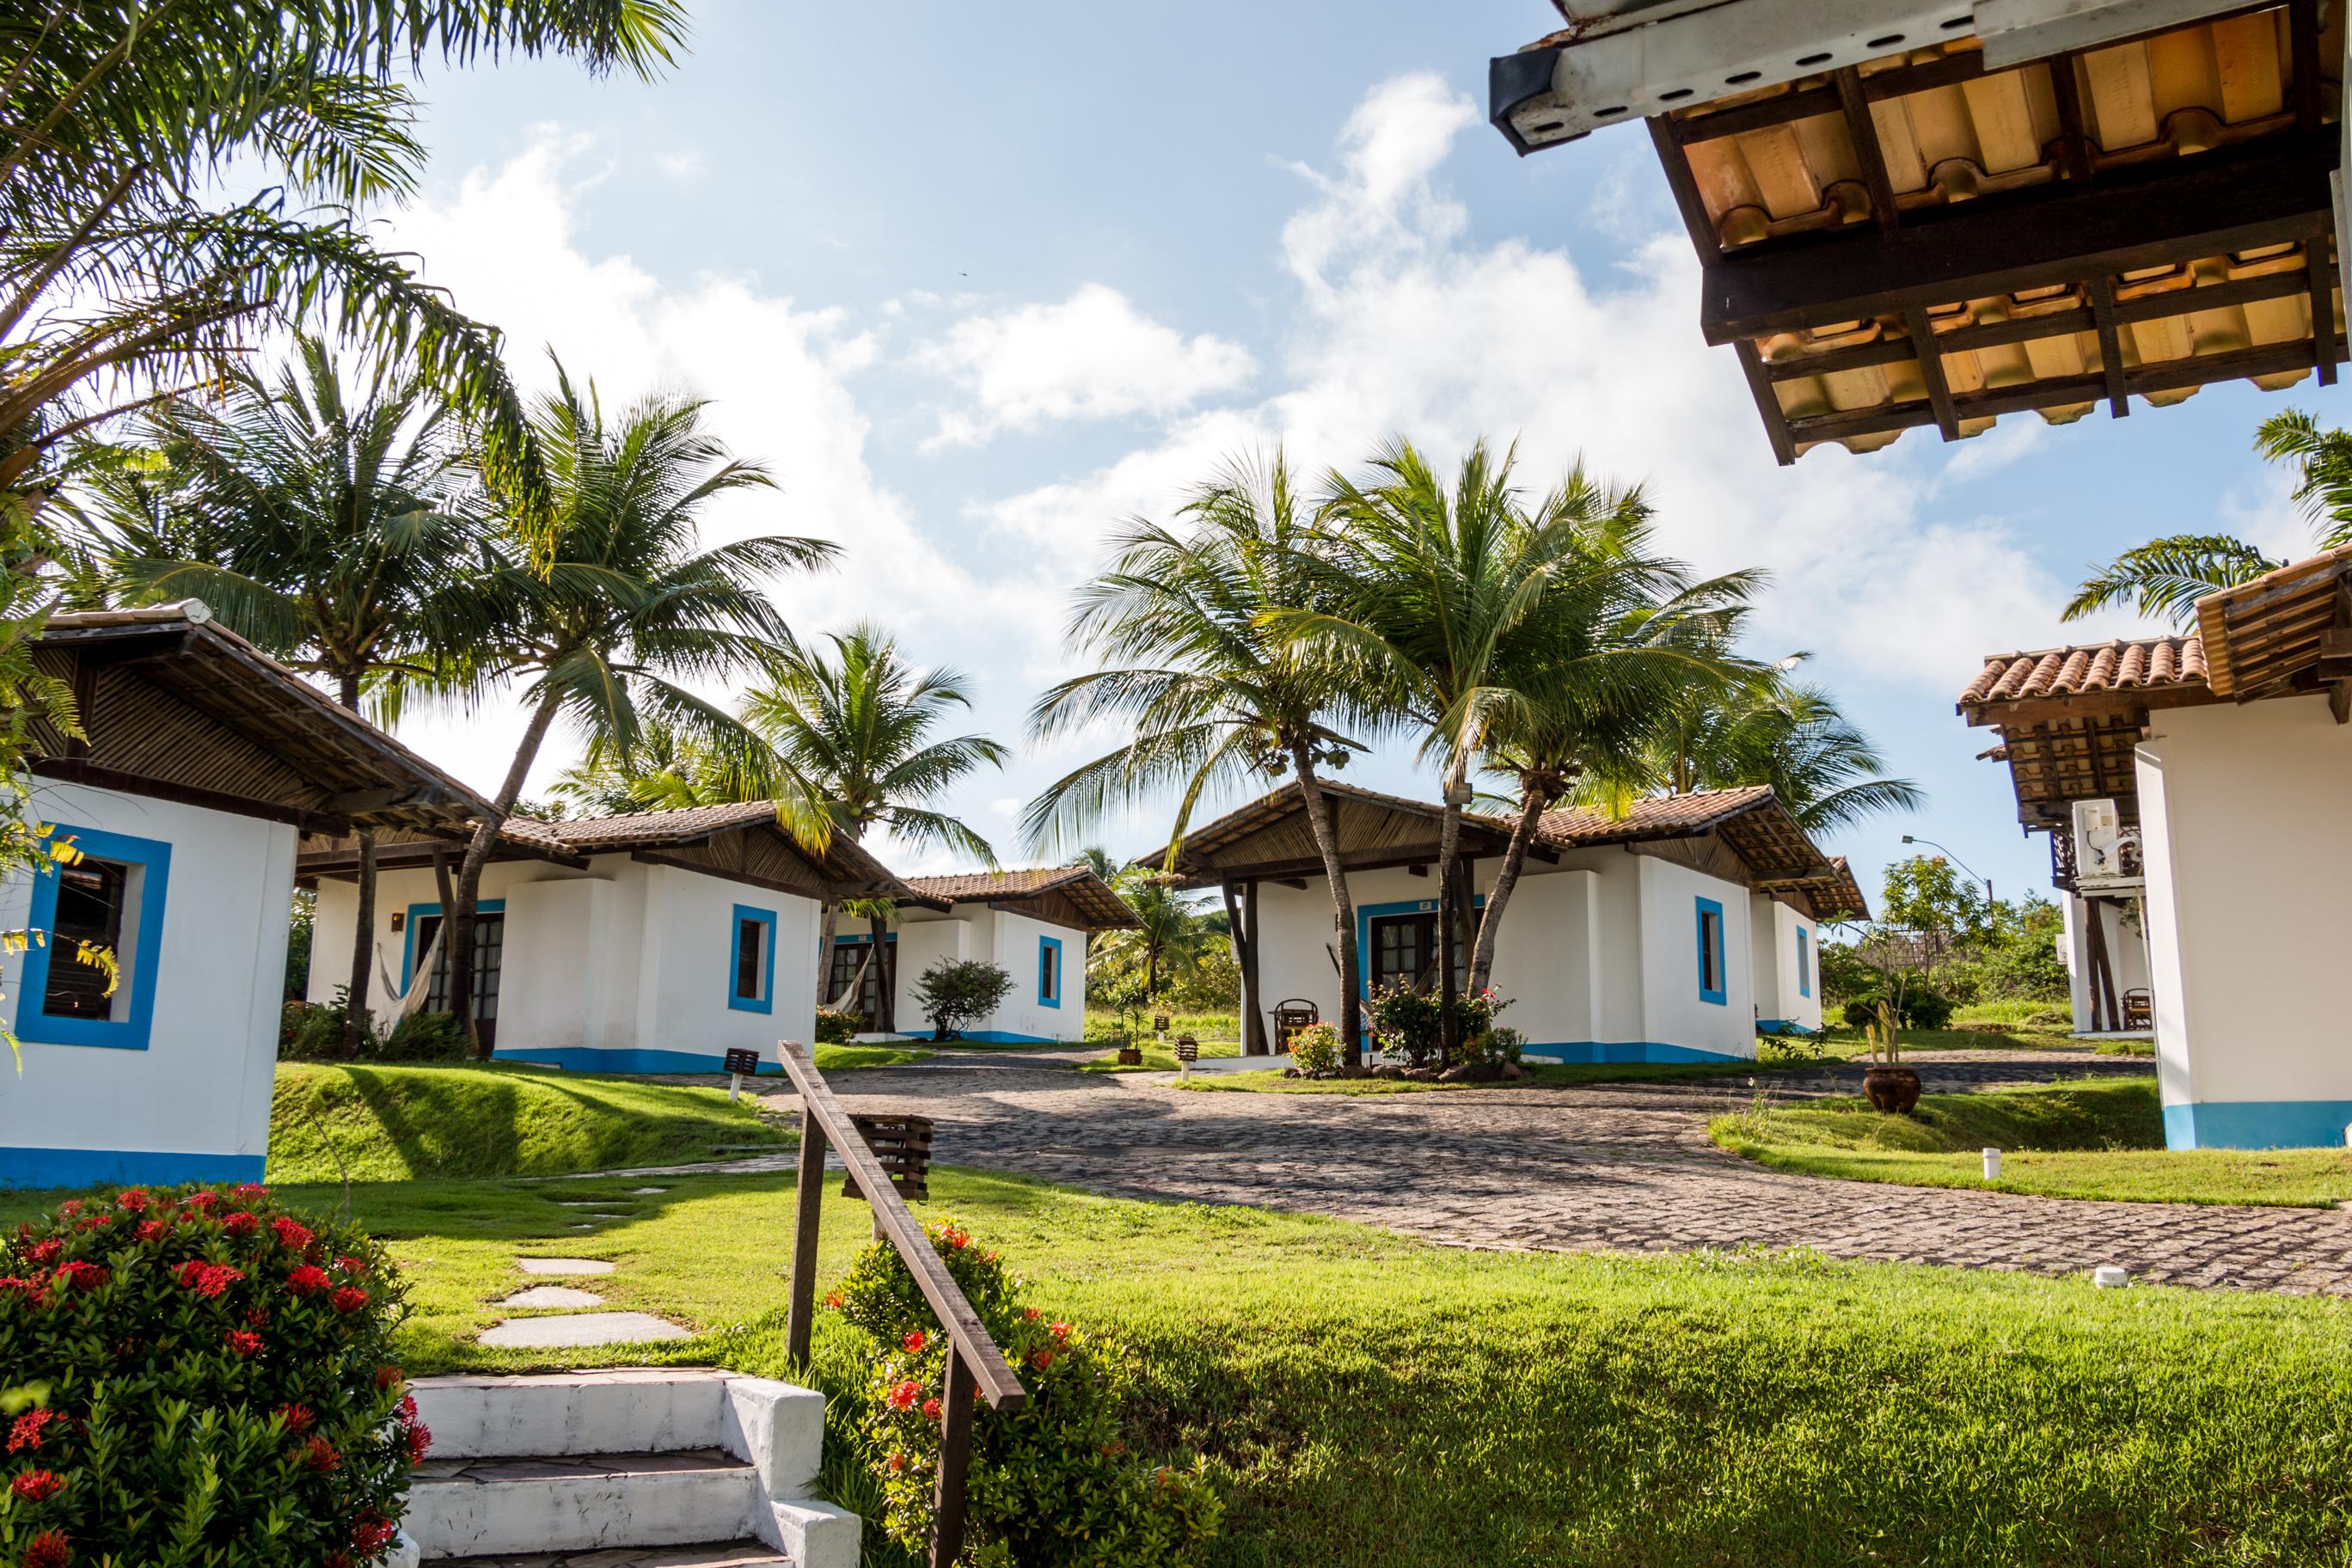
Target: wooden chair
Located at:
point(2140, 1010)
point(1292, 1016)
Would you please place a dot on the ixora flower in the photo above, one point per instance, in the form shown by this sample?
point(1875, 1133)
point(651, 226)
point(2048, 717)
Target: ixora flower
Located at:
point(298, 1417)
point(898, 1461)
point(905, 1396)
point(36, 1486)
point(371, 1535)
point(915, 1341)
point(132, 1198)
point(308, 1279)
point(80, 1276)
point(50, 1549)
point(319, 1454)
point(1041, 1359)
point(46, 1252)
point(244, 1342)
point(240, 1223)
point(351, 1266)
point(25, 1431)
point(349, 1299)
point(385, 1377)
point(292, 1234)
point(249, 1190)
point(206, 1279)
point(932, 1409)
point(203, 1203)
point(37, 1291)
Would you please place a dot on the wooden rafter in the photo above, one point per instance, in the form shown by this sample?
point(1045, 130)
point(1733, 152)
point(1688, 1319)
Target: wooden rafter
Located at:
point(2102, 288)
point(1863, 133)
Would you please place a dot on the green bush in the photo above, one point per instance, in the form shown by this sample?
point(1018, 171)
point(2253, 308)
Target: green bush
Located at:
point(1315, 1051)
point(1054, 1484)
point(1407, 1021)
point(838, 1026)
point(313, 1031)
point(218, 1387)
point(425, 1038)
point(955, 992)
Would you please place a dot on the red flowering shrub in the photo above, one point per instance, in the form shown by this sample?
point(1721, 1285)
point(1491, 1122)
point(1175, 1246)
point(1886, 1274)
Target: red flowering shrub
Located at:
point(197, 1398)
point(1052, 1485)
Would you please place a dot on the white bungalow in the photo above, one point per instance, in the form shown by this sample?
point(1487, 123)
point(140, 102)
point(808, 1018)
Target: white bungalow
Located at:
point(1035, 924)
point(201, 762)
point(652, 943)
point(2226, 757)
point(1674, 934)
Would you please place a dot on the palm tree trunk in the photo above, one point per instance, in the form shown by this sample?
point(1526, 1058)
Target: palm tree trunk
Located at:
point(1326, 845)
point(886, 1005)
point(825, 926)
point(355, 999)
point(1449, 849)
point(1507, 878)
point(457, 919)
point(355, 995)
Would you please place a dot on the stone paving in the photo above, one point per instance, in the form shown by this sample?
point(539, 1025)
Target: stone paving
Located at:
point(1620, 1167)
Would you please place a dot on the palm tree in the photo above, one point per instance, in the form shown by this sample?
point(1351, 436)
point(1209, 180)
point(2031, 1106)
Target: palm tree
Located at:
point(855, 731)
point(315, 525)
point(667, 769)
point(1213, 690)
point(2165, 577)
point(1485, 624)
point(1762, 728)
point(629, 605)
point(1169, 931)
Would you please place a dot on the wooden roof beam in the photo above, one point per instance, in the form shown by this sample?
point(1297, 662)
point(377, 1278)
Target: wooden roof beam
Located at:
point(2269, 194)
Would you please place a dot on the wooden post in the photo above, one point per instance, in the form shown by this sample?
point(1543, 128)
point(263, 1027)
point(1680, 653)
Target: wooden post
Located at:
point(1254, 1040)
point(955, 1458)
point(801, 1321)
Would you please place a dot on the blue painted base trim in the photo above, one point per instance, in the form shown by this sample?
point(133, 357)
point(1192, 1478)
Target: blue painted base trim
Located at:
point(1598, 1051)
point(588, 1058)
point(999, 1038)
point(2257, 1124)
point(1784, 1026)
point(121, 1167)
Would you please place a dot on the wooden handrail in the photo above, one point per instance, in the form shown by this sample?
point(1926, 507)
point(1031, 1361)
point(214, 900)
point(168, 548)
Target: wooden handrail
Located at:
point(974, 1363)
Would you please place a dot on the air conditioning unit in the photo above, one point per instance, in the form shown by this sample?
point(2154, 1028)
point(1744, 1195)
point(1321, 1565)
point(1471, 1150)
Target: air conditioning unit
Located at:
point(2106, 853)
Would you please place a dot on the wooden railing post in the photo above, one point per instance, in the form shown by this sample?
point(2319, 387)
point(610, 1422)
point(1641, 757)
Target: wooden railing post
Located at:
point(801, 1321)
point(955, 1458)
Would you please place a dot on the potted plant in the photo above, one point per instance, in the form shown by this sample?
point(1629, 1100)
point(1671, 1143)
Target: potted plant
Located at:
point(1889, 1086)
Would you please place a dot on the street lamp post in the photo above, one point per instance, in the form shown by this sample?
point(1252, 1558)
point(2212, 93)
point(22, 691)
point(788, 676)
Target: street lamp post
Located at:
point(1956, 861)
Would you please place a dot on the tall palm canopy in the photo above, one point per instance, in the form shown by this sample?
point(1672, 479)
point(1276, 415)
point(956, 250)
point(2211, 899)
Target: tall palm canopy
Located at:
point(1198, 670)
point(629, 606)
point(316, 523)
point(854, 733)
point(1535, 636)
point(2164, 578)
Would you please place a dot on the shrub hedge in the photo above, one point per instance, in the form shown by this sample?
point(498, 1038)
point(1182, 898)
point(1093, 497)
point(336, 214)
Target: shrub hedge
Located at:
point(213, 1386)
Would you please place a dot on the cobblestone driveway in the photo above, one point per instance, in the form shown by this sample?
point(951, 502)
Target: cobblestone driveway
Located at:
point(1622, 1167)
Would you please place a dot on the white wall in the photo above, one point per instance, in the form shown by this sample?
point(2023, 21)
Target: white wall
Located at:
point(2126, 956)
point(1785, 990)
point(2249, 855)
point(193, 1105)
point(1008, 940)
point(624, 967)
point(1598, 954)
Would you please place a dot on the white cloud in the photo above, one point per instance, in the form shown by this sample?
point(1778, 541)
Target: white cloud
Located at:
point(1092, 356)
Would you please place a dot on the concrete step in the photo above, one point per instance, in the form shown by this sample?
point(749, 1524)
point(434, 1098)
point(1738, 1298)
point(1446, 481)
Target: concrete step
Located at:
point(623, 1459)
point(733, 1554)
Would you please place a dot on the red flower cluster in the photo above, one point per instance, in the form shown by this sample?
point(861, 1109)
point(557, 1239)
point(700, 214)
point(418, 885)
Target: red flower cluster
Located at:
point(80, 1276)
point(206, 1279)
point(46, 1252)
point(25, 1431)
point(898, 1461)
point(36, 1486)
point(50, 1549)
point(154, 1229)
point(955, 1236)
point(291, 1232)
point(240, 1223)
point(297, 1418)
point(931, 1408)
point(132, 1198)
point(352, 1265)
point(419, 1439)
point(906, 1395)
point(1041, 1359)
point(319, 1454)
point(71, 1207)
point(37, 1291)
point(249, 1190)
point(308, 1280)
point(833, 1299)
point(371, 1535)
point(202, 1202)
point(915, 1341)
point(385, 1377)
point(1060, 1330)
point(349, 1299)
point(245, 1342)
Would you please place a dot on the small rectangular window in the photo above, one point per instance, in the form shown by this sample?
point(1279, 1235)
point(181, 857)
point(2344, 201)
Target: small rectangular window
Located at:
point(1804, 964)
point(748, 935)
point(1711, 987)
point(91, 898)
point(751, 961)
point(1049, 979)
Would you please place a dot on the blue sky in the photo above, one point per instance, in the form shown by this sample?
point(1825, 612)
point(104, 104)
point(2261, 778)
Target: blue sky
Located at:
point(977, 282)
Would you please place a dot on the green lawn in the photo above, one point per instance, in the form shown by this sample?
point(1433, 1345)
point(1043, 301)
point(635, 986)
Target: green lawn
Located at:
point(491, 1120)
point(1158, 1058)
point(848, 1058)
point(1374, 1401)
point(2091, 1139)
point(1780, 1060)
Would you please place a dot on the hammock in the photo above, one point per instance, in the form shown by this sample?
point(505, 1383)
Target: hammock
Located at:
point(420, 982)
point(857, 981)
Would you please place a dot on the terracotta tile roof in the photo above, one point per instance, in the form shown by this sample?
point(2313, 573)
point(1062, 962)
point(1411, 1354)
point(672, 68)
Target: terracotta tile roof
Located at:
point(1658, 816)
point(2266, 636)
point(2142, 664)
point(636, 828)
point(1090, 896)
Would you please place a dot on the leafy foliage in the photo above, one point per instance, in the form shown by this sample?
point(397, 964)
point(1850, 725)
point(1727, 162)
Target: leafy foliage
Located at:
point(220, 1387)
point(1054, 1484)
point(1315, 1051)
point(955, 992)
point(838, 1026)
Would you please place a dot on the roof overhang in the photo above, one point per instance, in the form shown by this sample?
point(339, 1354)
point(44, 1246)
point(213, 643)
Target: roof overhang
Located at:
point(2285, 634)
point(1912, 216)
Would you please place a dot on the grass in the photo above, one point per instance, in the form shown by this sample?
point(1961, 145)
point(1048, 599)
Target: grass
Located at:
point(1781, 1060)
point(1375, 1402)
point(391, 1123)
point(1203, 1026)
point(2090, 1138)
point(1158, 1058)
point(845, 1057)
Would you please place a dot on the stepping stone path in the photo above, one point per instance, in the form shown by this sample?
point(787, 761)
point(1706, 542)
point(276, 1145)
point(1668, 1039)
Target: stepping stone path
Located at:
point(573, 1326)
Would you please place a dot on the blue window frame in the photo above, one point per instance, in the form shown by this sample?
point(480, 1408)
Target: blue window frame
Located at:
point(1804, 964)
point(751, 961)
point(1712, 986)
point(418, 914)
point(1049, 971)
point(121, 887)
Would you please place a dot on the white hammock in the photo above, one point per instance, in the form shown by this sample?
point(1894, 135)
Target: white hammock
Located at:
point(420, 979)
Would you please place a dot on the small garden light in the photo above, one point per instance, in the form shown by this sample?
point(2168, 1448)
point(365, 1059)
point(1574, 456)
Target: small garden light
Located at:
point(1992, 1164)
